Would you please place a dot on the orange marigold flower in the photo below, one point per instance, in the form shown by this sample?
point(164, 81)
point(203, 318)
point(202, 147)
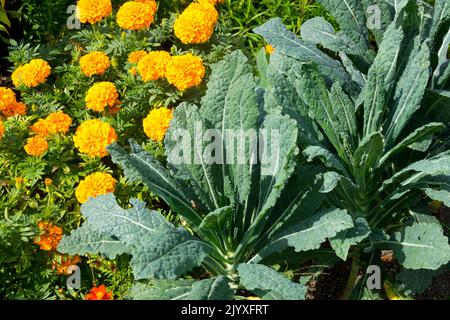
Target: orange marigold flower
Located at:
point(99, 293)
point(31, 74)
point(213, 1)
point(17, 108)
point(157, 122)
point(48, 182)
point(2, 129)
point(269, 49)
point(93, 11)
point(134, 57)
point(101, 95)
point(94, 63)
point(42, 127)
point(185, 71)
point(7, 98)
point(196, 24)
point(36, 146)
point(93, 136)
point(62, 262)
point(152, 3)
point(58, 122)
point(153, 65)
point(134, 15)
point(50, 236)
point(95, 184)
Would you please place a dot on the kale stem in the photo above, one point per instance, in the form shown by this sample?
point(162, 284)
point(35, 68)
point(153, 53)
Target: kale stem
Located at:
point(354, 271)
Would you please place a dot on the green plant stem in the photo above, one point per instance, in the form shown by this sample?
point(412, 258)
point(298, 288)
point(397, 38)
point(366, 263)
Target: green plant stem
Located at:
point(354, 271)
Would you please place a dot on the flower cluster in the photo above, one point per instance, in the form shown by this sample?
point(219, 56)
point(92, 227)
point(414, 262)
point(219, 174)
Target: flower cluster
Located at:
point(36, 146)
point(56, 122)
point(49, 237)
point(93, 136)
point(153, 65)
point(197, 22)
point(157, 122)
point(185, 71)
point(9, 106)
point(62, 262)
point(95, 184)
point(93, 11)
point(94, 63)
point(99, 293)
point(102, 95)
point(31, 74)
point(134, 15)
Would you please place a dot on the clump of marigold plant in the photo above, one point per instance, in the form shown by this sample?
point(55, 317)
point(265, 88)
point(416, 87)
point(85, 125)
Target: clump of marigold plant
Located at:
point(196, 23)
point(99, 293)
point(101, 95)
point(2, 129)
point(7, 97)
point(36, 146)
point(93, 136)
point(94, 185)
point(15, 109)
point(92, 11)
point(185, 71)
point(153, 65)
point(134, 15)
point(134, 58)
point(49, 237)
point(157, 122)
point(31, 74)
point(94, 63)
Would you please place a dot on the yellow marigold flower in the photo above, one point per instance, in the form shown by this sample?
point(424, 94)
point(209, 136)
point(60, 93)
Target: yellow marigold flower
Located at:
point(185, 71)
point(196, 23)
point(48, 182)
point(59, 122)
point(31, 74)
point(134, 15)
point(134, 57)
point(50, 236)
point(153, 65)
point(101, 95)
point(36, 146)
point(93, 136)
point(152, 3)
point(94, 63)
point(93, 11)
point(157, 122)
point(17, 108)
point(2, 129)
point(270, 49)
point(214, 1)
point(7, 98)
point(95, 184)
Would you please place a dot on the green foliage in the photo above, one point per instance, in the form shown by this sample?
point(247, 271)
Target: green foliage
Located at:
point(367, 103)
point(239, 211)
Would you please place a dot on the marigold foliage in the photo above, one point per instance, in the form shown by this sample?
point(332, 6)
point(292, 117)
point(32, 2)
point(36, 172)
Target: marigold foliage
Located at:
point(95, 184)
point(101, 95)
point(157, 122)
point(93, 136)
point(36, 146)
point(7, 98)
point(94, 63)
point(196, 24)
point(153, 65)
point(99, 293)
point(134, 15)
point(50, 236)
point(92, 11)
point(185, 71)
point(31, 74)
